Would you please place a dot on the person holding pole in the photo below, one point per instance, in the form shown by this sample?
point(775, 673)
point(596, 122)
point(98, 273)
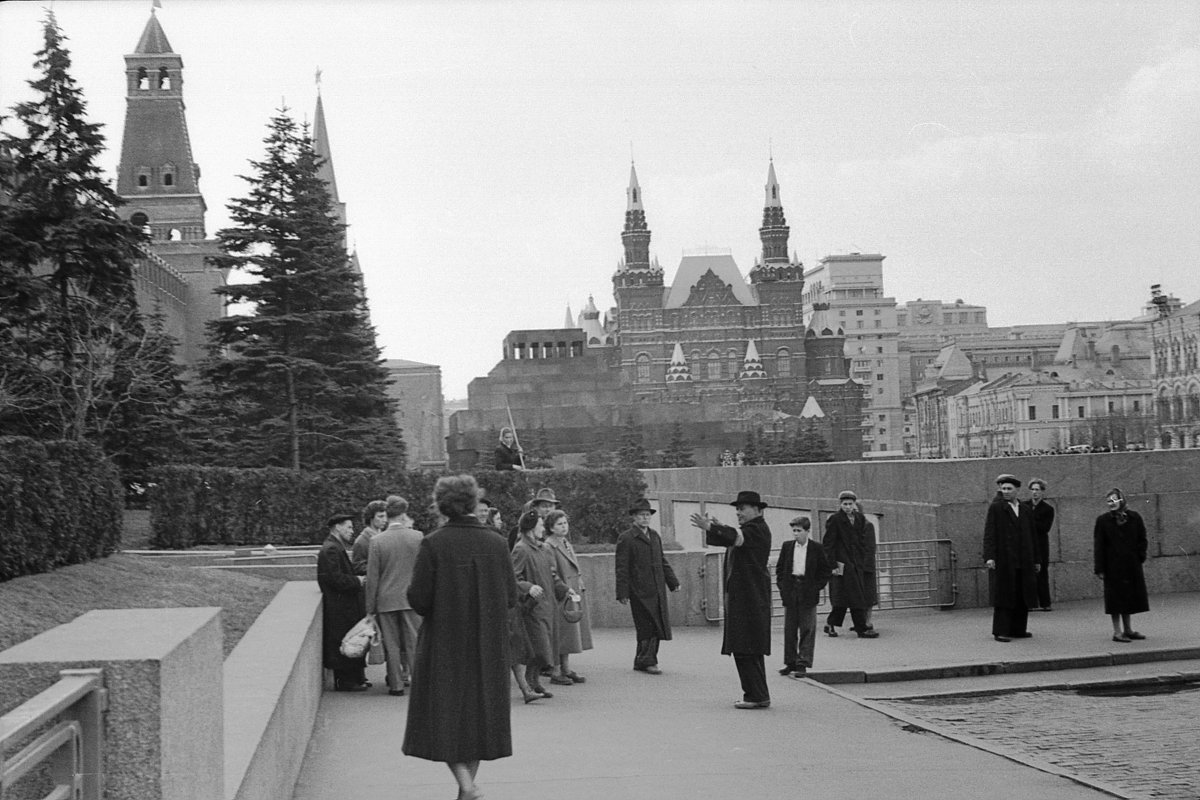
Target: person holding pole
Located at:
point(508, 455)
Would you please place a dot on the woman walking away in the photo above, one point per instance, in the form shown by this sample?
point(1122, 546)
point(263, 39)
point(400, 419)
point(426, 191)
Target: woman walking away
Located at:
point(1120, 552)
point(541, 588)
point(462, 585)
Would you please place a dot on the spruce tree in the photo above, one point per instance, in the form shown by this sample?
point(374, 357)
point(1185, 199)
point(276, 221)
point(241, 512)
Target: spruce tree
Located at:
point(679, 452)
point(631, 453)
point(296, 381)
point(68, 312)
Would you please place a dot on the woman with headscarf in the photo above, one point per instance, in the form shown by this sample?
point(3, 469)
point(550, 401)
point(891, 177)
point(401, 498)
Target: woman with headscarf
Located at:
point(507, 455)
point(573, 637)
point(540, 588)
point(1120, 539)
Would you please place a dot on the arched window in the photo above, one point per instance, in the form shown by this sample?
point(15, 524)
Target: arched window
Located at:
point(174, 235)
point(143, 179)
point(643, 368)
point(143, 80)
point(713, 370)
point(783, 362)
point(168, 179)
point(164, 78)
point(732, 363)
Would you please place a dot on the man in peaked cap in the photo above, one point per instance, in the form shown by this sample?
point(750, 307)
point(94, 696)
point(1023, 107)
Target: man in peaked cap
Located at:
point(849, 544)
point(342, 606)
point(643, 578)
point(747, 594)
point(1009, 555)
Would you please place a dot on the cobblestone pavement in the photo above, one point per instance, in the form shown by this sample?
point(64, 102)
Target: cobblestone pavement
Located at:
point(1142, 740)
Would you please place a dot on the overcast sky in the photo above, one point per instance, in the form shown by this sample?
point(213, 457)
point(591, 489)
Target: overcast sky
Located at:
point(1039, 158)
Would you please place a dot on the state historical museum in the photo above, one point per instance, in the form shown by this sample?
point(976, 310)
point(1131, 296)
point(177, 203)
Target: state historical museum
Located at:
point(717, 354)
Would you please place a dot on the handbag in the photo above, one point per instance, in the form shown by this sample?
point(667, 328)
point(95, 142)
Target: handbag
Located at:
point(375, 655)
point(359, 638)
point(571, 608)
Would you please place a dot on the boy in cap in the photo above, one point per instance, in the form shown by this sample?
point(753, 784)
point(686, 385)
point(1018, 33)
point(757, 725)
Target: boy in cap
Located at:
point(801, 573)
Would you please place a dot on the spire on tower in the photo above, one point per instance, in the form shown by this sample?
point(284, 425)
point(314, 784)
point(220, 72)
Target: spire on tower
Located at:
point(772, 188)
point(634, 193)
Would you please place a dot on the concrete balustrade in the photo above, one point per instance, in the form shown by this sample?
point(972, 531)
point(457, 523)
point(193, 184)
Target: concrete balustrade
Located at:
point(162, 671)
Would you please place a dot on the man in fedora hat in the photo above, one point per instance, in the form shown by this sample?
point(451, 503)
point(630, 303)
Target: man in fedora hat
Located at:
point(1009, 555)
point(342, 604)
point(747, 594)
point(643, 578)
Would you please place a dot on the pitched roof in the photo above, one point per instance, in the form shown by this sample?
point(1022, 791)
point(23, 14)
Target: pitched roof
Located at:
point(153, 40)
point(693, 268)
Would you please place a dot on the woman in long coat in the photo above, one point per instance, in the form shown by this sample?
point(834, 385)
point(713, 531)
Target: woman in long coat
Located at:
point(462, 585)
point(541, 588)
point(1120, 539)
point(573, 637)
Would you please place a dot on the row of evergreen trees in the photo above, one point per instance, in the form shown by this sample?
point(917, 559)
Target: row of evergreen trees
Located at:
point(295, 380)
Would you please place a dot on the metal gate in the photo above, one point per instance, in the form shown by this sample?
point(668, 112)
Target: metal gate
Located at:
point(909, 574)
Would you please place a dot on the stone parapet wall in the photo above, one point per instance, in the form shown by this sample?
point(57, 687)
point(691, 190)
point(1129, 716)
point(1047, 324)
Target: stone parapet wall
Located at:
point(946, 499)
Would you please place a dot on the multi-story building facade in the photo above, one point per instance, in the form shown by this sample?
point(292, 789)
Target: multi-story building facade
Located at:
point(1094, 392)
point(1176, 375)
point(852, 287)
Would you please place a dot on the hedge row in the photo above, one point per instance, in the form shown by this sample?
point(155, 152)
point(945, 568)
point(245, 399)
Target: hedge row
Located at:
point(191, 505)
point(60, 503)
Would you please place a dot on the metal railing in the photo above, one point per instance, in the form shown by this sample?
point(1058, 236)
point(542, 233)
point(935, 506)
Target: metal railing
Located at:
point(910, 574)
point(70, 747)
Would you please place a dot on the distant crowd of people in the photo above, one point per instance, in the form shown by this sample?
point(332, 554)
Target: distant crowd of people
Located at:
point(462, 608)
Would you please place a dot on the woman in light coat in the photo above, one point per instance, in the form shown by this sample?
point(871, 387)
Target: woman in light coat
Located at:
point(573, 637)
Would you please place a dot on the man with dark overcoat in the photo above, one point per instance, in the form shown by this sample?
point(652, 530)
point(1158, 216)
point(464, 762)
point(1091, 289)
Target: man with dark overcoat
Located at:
point(747, 585)
point(1043, 521)
point(850, 547)
point(342, 605)
point(1009, 555)
point(643, 578)
point(800, 573)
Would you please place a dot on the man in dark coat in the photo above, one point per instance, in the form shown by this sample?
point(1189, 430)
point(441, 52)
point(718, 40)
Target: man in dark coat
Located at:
point(800, 573)
point(850, 547)
point(1008, 553)
point(342, 604)
point(747, 587)
point(1043, 521)
point(643, 578)
point(462, 586)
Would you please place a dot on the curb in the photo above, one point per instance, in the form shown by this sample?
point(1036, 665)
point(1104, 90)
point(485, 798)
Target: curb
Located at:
point(832, 677)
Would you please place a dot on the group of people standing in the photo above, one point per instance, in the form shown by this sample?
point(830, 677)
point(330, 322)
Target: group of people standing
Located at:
point(545, 631)
point(1016, 552)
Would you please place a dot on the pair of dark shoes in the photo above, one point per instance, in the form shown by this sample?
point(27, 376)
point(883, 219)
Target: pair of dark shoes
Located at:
point(1127, 636)
point(867, 633)
point(831, 631)
point(345, 686)
point(649, 669)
